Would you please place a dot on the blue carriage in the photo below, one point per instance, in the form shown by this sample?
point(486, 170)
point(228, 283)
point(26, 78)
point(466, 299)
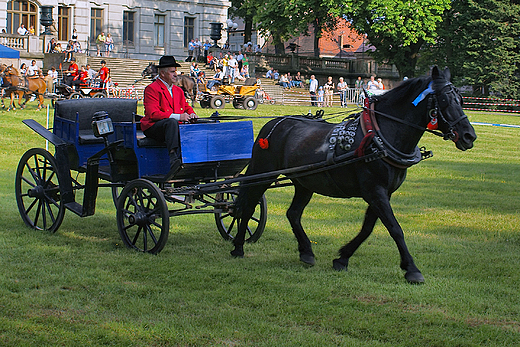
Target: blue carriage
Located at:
point(101, 142)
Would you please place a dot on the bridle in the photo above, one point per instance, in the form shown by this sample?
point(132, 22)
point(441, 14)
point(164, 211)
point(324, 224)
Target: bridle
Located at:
point(434, 112)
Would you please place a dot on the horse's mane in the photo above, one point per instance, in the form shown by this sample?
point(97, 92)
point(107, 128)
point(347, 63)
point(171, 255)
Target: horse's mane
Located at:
point(406, 89)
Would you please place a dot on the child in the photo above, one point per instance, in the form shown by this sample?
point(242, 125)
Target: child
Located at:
point(321, 93)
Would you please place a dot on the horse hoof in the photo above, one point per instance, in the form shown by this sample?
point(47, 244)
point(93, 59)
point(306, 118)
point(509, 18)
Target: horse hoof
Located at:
point(237, 254)
point(308, 259)
point(414, 277)
point(340, 264)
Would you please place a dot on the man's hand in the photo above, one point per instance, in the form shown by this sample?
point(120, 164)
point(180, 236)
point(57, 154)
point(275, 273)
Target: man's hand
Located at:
point(192, 118)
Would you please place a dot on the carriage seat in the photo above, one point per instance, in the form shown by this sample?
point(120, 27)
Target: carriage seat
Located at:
point(143, 141)
point(119, 110)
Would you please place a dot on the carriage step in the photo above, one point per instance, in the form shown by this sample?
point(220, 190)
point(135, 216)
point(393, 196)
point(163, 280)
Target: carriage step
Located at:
point(75, 207)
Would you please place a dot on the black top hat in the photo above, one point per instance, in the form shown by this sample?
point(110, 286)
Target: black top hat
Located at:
point(168, 61)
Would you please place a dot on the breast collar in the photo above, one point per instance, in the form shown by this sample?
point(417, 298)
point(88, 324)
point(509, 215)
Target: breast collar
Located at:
point(372, 134)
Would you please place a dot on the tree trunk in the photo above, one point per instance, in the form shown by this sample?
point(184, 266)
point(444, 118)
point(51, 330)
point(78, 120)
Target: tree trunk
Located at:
point(248, 29)
point(317, 36)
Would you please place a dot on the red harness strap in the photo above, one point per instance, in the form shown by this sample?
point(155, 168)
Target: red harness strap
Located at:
point(368, 129)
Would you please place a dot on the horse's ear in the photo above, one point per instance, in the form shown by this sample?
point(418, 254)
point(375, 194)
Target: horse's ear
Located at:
point(435, 72)
point(447, 74)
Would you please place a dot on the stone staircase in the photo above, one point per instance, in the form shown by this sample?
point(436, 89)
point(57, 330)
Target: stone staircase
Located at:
point(126, 71)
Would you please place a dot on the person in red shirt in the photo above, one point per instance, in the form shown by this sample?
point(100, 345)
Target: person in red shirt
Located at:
point(103, 73)
point(83, 76)
point(71, 79)
point(164, 106)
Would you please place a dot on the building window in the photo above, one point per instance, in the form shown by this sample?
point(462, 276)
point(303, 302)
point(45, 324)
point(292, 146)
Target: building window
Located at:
point(128, 28)
point(159, 30)
point(20, 12)
point(96, 23)
point(189, 30)
point(63, 23)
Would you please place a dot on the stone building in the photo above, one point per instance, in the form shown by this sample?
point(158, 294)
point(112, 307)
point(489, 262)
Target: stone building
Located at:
point(141, 29)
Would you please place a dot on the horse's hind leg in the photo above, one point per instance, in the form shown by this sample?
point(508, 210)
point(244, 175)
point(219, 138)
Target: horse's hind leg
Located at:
point(301, 199)
point(348, 250)
point(245, 205)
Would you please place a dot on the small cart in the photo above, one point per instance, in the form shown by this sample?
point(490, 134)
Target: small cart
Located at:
point(101, 141)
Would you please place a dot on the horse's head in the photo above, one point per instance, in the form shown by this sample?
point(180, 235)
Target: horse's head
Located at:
point(447, 111)
point(11, 71)
point(150, 71)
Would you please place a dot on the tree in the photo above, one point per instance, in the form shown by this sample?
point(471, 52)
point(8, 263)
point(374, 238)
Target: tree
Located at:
point(243, 10)
point(396, 28)
point(479, 41)
point(285, 19)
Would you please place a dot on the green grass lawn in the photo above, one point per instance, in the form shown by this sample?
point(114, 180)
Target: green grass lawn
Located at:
point(459, 210)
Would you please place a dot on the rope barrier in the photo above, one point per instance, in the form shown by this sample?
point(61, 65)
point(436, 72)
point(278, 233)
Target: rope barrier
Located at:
point(496, 125)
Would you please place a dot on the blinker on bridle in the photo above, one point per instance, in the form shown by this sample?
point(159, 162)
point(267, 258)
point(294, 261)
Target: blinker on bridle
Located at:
point(434, 112)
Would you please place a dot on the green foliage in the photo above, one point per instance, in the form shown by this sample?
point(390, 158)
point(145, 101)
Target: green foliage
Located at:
point(396, 28)
point(286, 19)
point(459, 210)
point(479, 41)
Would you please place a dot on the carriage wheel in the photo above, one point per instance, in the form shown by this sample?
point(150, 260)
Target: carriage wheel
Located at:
point(217, 102)
point(37, 190)
point(116, 192)
point(143, 219)
point(99, 95)
point(75, 95)
point(250, 103)
point(227, 224)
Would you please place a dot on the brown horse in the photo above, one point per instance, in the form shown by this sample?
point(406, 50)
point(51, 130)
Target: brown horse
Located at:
point(34, 86)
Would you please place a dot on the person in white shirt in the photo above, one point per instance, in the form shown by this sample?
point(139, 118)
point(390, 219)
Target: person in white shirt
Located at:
point(313, 87)
point(51, 79)
point(342, 87)
point(33, 70)
point(372, 84)
point(22, 30)
point(233, 66)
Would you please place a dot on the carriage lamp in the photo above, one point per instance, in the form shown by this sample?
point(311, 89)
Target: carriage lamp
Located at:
point(102, 124)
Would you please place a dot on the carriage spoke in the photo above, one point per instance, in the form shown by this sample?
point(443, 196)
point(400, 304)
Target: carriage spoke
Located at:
point(249, 231)
point(49, 209)
point(28, 182)
point(31, 206)
point(38, 209)
point(136, 237)
point(152, 235)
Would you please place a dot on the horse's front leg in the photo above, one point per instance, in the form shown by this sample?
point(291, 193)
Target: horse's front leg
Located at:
point(301, 199)
point(348, 250)
point(385, 213)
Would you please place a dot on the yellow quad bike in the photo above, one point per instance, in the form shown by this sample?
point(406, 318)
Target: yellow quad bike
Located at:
point(242, 96)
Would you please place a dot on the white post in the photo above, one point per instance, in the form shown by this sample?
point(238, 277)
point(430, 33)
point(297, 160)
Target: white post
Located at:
point(47, 141)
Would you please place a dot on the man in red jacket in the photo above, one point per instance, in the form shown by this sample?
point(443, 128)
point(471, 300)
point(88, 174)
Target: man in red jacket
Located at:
point(165, 106)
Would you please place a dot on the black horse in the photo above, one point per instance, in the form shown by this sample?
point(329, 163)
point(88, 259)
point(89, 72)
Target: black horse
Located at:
point(366, 158)
point(187, 83)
